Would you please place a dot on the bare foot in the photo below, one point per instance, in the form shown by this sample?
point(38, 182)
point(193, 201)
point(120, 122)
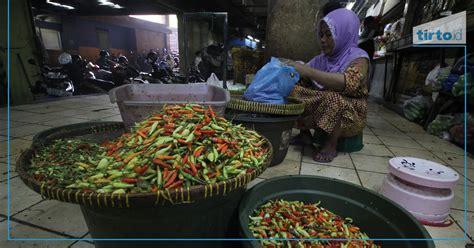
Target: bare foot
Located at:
point(326, 154)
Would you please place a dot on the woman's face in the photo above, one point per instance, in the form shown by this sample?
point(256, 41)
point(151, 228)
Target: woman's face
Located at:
point(327, 42)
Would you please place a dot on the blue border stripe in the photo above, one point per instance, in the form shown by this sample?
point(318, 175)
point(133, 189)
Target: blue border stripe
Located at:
point(223, 239)
point(465, 142)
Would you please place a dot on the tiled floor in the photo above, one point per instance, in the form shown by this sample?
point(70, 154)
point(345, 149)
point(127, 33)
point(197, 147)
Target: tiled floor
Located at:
point(386, 135)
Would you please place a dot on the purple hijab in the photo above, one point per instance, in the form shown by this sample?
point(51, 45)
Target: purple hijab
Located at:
point(344, 27)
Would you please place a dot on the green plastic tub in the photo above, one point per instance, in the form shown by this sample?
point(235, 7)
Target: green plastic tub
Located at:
point(376, 215)
point(344, 144)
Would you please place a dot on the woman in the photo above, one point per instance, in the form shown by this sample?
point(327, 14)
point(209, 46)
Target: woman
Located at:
point(336, 100)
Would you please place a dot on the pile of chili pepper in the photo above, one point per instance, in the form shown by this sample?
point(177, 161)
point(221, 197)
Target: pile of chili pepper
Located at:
point(64, 161)
point(282, 219)
point(181, 146)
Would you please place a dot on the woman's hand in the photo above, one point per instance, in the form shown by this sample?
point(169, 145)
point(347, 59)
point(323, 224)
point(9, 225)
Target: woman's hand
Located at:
point(329, 80)
point(299, 66)
point(287, 62)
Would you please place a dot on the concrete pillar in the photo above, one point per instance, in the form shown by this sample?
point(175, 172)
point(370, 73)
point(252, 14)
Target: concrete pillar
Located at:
point(291, 29)
point(23, 75)
point(198, 36)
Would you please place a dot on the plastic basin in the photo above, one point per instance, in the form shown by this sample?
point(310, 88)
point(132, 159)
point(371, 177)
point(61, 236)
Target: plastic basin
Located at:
point(140, 216)
point(376, 215)
point(137, 101)
point(276, 129)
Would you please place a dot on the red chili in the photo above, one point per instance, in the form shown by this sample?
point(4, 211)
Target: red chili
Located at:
point(140, 132)
point(209, 132)
point(161, 163)
point(193, 168)
point(211, 175)
point(211, 111)
point(198, 109)
point(176, 184)
point(185, 159)
point(182, 141)
point(140, 169)
point(188, 171)
point(129, 180)
point(198, 152)
point(171, 179)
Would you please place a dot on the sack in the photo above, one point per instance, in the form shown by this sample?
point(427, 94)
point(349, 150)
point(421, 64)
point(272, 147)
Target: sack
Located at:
point(273, 83)
point(416, 108)
point(442, 123)
point(431, 78)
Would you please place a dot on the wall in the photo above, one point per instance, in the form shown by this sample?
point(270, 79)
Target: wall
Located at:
point(23, 48)
point(147, 40)
point(291, 29)
point(173, 39)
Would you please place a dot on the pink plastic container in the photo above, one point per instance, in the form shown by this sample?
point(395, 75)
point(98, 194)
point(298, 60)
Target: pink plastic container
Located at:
point(422, 187)
point(138, 101)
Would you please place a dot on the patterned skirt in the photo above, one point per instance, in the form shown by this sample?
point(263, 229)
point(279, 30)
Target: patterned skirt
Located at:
point(324, 109)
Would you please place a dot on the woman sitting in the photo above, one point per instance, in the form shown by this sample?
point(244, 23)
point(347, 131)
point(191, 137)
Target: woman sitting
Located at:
point(336, 98)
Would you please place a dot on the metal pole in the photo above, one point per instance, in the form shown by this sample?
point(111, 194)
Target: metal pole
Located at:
point(224, 79)
point(185, 46)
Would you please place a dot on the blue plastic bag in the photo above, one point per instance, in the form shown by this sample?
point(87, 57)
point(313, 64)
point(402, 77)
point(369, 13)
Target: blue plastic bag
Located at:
point(273, 83)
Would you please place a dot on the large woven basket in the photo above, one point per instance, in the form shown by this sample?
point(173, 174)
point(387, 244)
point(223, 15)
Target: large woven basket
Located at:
point(100, 132)
point(293, 107)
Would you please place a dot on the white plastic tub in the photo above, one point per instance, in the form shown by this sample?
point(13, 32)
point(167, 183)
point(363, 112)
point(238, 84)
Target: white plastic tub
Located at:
point(138, 101)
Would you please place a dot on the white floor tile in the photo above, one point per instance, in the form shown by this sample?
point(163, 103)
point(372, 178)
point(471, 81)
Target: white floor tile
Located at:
point(371, 139)
point(57, 216)
point(4, 125)
point(21, 196)
point(82, 244)
point(348, 175)
point(112, 118)
point(389, 133)
point(370, 163)
point(95, 115)
point(368, 131)
point(375, 150)
point(294, 153)
point(400, 142)
point(16, 146)
point(372, 180)
point(22, 116)
point(287, 167)
point(458, 202)
point(452, 231)
point(417, 153)
point(4, 171)
point(441, 146)
point(18, 230)
point(44, 110)
point(26, 130)
point(455, 159)
point(458, 216)
point(64, 121)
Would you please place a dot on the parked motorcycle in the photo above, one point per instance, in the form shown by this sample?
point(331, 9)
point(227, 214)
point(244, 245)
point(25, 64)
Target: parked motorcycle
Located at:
point(74, 77)
point(162, 72)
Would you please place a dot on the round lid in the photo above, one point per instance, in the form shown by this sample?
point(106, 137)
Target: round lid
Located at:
point(423, 172)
